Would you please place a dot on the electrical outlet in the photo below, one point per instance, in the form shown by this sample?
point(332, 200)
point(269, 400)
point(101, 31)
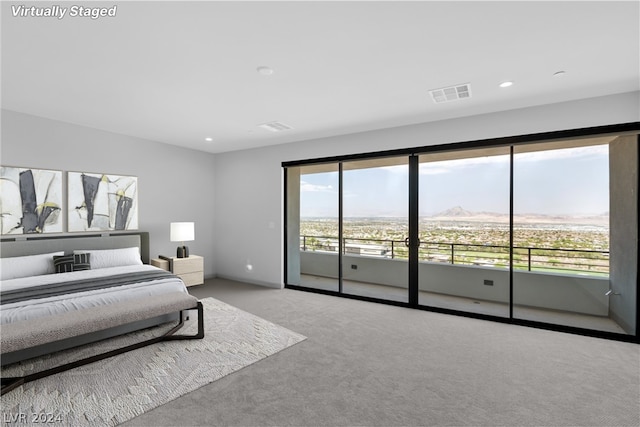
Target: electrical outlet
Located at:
point(488, 282)
point(354, 267)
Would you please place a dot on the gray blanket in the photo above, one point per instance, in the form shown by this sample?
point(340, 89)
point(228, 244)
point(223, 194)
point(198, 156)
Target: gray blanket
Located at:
point(73, 286)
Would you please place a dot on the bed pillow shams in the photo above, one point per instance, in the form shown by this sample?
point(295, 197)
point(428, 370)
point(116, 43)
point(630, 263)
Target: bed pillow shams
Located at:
point(106, 258)
point(25, 266)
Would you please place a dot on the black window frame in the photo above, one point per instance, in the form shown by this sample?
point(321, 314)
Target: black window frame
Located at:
point(631, 128)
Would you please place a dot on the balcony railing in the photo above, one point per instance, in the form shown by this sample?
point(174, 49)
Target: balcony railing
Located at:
point(569, 261)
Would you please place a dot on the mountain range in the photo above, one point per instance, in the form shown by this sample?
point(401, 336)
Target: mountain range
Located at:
point(459, 213)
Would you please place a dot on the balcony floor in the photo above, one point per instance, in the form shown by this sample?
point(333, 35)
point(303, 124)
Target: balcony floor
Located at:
point(470, 305)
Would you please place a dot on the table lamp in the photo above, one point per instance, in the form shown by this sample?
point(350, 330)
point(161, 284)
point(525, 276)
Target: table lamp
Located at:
point(182, 232)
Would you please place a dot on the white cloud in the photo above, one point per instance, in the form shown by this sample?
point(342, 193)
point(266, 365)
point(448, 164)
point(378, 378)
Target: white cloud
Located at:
point(315, 188)
point(448, 166)
point(564, 153)
point(433, 169)
point(399, 169)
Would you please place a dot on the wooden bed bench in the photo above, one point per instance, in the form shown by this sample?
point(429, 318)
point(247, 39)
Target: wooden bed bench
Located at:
point(43, 337)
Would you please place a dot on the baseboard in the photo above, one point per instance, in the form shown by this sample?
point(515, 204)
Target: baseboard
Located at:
point(250, 281)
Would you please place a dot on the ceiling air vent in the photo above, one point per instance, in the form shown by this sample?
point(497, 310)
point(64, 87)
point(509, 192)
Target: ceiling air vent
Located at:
point(275, 126)
point(451, 93)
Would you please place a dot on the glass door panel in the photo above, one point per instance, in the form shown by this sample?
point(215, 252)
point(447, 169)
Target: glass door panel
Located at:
point(312, 226)
point(464, 206)
point(575, 228)
point(375, 227)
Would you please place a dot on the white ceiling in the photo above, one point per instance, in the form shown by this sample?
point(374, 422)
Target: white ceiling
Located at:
point(178, 72)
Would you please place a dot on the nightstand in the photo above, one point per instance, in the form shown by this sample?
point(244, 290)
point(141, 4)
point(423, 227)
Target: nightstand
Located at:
point(190, 270)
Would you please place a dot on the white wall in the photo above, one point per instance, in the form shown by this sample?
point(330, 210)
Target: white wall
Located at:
point(174, 184)
point(248, 184)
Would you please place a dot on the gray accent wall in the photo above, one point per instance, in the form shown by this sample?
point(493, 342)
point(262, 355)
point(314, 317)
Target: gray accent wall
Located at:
point(174, 184)
point(293, 226)
point(623, 184)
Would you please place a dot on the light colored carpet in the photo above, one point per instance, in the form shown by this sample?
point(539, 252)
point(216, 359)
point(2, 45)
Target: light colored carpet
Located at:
point(366, 364)
point(122, 387)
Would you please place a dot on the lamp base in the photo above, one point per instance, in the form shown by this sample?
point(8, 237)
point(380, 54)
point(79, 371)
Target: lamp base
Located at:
point(182, 252)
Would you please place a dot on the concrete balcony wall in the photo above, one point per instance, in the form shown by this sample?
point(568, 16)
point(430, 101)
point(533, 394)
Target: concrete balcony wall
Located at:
point(574, 293)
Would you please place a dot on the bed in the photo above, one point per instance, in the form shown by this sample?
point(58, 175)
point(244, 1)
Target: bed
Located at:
point(66, 291)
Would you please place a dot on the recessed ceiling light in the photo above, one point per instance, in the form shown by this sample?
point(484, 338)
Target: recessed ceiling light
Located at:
point(265, 71)
point(506, 84)
point(208, 139)
point(559, 73)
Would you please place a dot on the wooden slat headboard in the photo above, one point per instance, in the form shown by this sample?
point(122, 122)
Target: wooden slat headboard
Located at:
point(11, 246)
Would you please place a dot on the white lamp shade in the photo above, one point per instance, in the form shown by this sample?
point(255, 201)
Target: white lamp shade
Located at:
point(182, 231)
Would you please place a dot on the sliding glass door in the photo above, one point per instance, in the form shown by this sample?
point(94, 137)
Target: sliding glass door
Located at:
point(574, 222)
point(464, 231)
point(312, 227)
point(375, 228)
point(542, 232)
point(347, 228)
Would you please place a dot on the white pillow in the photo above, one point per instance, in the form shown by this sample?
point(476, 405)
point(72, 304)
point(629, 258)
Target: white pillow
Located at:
point(106, 258)
point(25, 266)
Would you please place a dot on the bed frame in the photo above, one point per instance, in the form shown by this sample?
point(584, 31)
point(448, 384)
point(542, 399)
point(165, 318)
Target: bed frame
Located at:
point(20, 245)
point(34, 245)
point(97, 324)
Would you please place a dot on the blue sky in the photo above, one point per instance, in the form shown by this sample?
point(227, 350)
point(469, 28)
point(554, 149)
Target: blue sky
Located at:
point(571, 181)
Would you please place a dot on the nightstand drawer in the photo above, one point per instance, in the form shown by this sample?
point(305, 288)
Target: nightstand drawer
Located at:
point(191, 279)
point(188, 265)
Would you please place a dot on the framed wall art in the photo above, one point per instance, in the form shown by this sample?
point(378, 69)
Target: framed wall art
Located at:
point(99, 202)
point(30, 200)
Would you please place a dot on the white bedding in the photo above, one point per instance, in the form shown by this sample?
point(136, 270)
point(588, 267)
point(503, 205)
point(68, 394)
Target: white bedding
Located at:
point(33, 309)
